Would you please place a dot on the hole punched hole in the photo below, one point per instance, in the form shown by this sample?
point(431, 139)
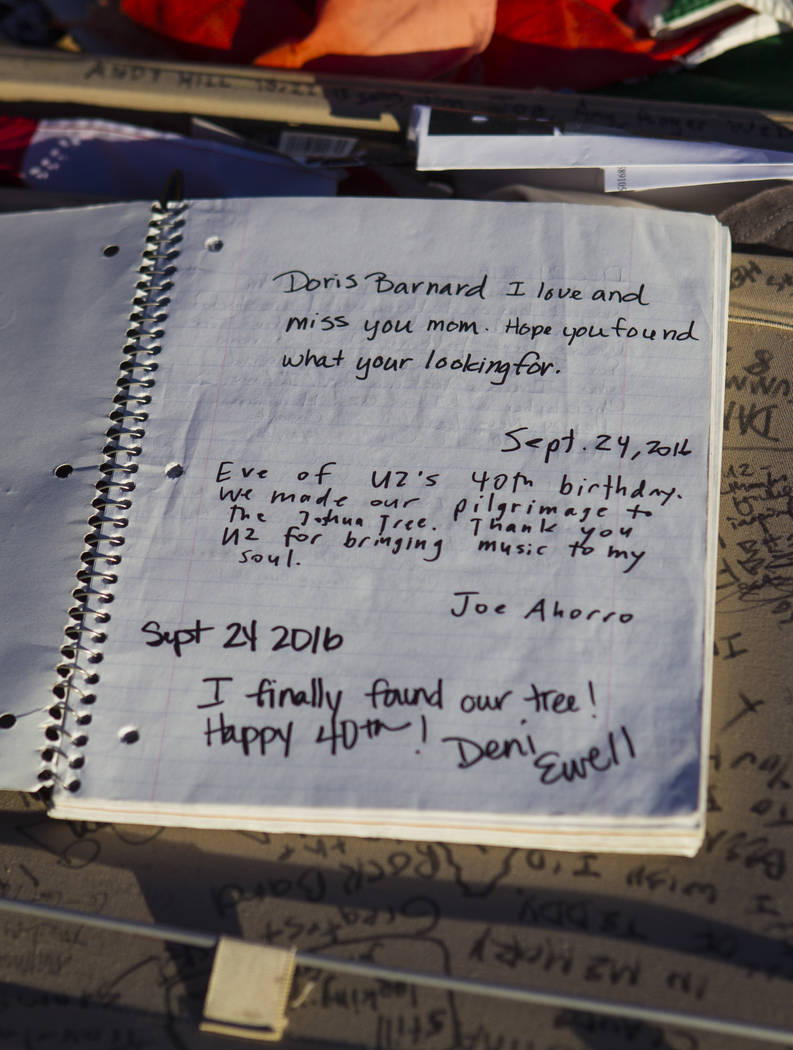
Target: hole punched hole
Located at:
point(63, 470)
point(110, 250)
point(8, 721)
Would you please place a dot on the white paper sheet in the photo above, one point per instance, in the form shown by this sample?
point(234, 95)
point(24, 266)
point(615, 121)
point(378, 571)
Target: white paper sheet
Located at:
point(420, 524)
point(652, 177)
point(577, 149)
point(63, 310)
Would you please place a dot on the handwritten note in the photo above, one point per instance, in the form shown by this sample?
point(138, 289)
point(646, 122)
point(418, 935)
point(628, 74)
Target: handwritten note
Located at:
point(420, 526)
point(706, 935)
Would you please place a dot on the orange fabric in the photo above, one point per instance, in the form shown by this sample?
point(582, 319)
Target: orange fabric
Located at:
point(404, 34)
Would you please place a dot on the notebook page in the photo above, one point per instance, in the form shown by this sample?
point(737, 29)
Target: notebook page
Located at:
point(420, 520)
point(63, 308)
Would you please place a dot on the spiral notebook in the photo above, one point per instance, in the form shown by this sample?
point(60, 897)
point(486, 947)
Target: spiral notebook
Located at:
point(396, 518)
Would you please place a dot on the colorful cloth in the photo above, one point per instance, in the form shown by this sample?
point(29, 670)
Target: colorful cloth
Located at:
point(577, 44)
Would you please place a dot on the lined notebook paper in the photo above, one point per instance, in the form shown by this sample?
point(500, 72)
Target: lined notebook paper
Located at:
point(63, 302)
point(421, 537)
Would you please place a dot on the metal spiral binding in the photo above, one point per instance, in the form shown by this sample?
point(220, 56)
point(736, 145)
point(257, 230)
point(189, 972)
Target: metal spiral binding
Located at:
point(66, 732)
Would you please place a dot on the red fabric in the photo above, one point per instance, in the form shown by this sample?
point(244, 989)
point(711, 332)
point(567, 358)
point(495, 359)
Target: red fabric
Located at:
point(208, 22)
point(224, 30)
point(577, 44)
point(15, 136)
